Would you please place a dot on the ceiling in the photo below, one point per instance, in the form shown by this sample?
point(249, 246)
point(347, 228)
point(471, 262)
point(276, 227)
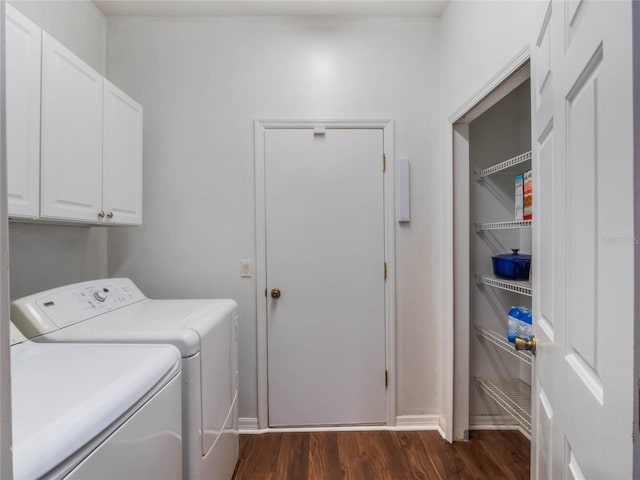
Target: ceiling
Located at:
point(403, 8)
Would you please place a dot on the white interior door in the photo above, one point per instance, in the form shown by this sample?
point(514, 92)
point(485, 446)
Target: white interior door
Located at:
point(325, 253)
point(583, 241)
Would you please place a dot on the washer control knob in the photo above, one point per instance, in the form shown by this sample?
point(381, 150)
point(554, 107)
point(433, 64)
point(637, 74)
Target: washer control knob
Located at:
point(100, 296)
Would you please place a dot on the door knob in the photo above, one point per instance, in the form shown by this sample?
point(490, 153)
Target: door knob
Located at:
point(101, 214)
point(522, 344)
point(275, 293)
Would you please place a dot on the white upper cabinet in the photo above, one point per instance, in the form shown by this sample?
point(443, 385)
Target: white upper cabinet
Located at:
point(23, 60)
point(122, 158)
point(71, 156)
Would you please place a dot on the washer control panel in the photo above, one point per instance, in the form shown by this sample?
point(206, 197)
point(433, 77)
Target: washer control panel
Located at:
point(74, 303)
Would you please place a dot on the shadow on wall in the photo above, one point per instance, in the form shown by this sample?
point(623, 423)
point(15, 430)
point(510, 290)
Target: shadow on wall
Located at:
point(48, 256)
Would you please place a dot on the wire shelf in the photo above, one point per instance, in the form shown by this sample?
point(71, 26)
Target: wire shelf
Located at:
point(501, 342)
point(481, 227)
point(514, 396)
point(521, 287)
point(503, 165)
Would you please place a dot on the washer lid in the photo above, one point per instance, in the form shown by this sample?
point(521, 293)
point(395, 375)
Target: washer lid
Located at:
point(64, 395)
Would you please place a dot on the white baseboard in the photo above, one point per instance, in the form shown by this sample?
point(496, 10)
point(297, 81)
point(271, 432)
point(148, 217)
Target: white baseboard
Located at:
point(495, 422)
point(417, 422)
point(249, 425)
point(492, 422)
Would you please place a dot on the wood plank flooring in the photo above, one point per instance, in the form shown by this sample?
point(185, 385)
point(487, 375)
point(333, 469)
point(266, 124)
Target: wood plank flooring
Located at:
point(382, 455)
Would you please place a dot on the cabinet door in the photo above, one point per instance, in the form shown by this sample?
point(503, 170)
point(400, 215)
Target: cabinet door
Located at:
point(23, 60)
point(71, 136)
point(122, 158)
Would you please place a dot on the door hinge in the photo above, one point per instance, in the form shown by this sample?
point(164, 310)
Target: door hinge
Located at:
point(384, 162)
point(386, 378)
point(385, 270)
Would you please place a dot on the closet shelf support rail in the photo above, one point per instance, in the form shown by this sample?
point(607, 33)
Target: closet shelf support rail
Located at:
point(501, 342)
point(481, 227)
point(513, 396)
point(503, 165)
point(521, 287)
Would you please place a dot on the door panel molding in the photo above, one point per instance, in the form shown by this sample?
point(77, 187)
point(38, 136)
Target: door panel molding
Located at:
point(387, 127)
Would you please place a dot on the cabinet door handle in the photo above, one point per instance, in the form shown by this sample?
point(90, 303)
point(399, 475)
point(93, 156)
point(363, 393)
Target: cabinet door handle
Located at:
point(110, 215)
point(101, 214)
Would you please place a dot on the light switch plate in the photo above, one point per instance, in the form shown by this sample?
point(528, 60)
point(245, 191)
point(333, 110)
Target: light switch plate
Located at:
point(245, 268)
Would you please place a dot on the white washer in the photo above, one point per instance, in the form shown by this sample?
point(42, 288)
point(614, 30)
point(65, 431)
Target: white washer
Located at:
point(205, 331)
point(95, 411)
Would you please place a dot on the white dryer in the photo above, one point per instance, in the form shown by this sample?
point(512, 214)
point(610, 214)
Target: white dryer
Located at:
point(95, 412)
point(205, 331)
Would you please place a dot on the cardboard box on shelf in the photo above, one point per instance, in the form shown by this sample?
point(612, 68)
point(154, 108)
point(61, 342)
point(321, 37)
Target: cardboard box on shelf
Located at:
point(528, 195)
point(520, 196)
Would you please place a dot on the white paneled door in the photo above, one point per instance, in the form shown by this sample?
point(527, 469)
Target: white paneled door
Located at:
point(23, 65)
point(71, 156)
point(121, 157)
point(325, 276)
point(583, 241)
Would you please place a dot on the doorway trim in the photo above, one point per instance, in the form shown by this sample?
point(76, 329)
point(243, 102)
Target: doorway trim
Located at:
point(387, 126)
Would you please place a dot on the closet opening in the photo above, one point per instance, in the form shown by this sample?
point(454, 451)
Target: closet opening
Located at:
point(492, 167)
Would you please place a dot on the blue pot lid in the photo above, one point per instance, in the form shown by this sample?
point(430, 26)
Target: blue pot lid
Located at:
point(513, 256)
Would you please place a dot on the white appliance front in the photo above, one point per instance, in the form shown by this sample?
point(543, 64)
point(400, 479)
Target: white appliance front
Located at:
point(205, 332)
point(95, 411)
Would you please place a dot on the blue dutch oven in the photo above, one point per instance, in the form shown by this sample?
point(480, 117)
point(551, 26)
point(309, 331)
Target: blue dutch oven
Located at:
point(512, 265)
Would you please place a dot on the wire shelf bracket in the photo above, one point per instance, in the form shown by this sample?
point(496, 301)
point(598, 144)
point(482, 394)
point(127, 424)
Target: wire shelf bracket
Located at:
point(503, 165)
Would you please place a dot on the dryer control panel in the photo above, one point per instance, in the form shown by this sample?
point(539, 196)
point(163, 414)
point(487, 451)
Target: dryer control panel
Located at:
point(54, 309)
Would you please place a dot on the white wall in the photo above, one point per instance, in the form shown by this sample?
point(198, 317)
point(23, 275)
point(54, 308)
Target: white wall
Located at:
point(77, 24)
point(46, 256)
point(477, 39)
point(202, 82)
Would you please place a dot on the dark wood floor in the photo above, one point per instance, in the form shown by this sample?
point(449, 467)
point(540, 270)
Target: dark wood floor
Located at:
point(382, 455)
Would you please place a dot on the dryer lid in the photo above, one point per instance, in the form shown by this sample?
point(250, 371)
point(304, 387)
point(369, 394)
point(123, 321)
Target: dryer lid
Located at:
point(176, 322)
point(65, 395)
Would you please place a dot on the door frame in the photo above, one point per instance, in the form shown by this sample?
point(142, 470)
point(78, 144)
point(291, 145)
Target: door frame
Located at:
point(387, 127)
point(6, 459)
point(455, 421)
